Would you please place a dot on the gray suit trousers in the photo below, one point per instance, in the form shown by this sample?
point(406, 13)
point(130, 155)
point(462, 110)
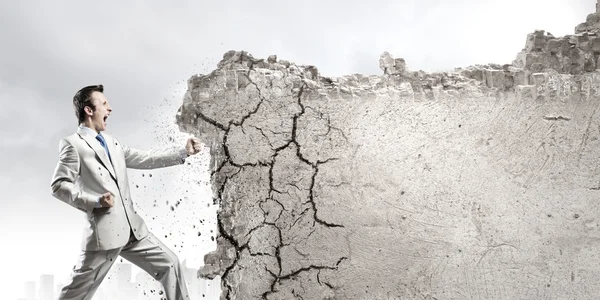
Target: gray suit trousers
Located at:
point(150, 254)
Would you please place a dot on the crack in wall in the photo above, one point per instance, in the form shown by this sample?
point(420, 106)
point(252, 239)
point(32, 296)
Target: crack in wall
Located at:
point(311, 173)
point(280, 278)
point(228, 162)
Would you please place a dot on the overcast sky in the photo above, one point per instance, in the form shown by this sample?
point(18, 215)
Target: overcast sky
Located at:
point(143, 51)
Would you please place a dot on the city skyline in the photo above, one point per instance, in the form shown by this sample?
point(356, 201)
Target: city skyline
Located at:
point(125, 281)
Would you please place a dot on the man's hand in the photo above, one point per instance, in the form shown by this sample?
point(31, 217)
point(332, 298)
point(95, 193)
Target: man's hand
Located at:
point(107, 200)
point(193, 146)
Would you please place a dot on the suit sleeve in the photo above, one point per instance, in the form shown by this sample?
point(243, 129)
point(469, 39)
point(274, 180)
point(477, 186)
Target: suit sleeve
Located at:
point(153, 158)
point(63, 180)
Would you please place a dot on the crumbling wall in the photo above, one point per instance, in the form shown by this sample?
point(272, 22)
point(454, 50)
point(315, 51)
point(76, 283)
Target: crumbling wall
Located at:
point(481, 183)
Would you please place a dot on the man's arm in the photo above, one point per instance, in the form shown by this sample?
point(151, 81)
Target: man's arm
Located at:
point(160, 158)
point(63, 180)
point(153, 158)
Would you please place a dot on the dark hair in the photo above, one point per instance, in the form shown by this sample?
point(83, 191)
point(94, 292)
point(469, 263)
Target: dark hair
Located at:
point(83, 98)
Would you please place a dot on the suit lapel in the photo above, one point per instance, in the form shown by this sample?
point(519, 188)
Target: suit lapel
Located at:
point(110, 143)
point(100, 152)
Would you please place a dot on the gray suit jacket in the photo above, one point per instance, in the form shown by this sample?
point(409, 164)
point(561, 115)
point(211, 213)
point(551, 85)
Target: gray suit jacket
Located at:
point(84, 172)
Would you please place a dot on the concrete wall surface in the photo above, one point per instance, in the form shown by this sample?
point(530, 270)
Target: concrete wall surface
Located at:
point(481, 183)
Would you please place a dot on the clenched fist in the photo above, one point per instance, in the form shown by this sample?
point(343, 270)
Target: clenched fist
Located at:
point(193, 146)
point(107, 200)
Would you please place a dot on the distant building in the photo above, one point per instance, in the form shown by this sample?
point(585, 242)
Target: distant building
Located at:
point(146, 286)
point(121, 287)
point(212, 288)
point(30, 290)
point(195, 288)
point(46, 287)
point(101, 294)
point(58, 289)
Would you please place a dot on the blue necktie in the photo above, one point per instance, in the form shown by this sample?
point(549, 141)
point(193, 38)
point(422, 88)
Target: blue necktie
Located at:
point(100, 138)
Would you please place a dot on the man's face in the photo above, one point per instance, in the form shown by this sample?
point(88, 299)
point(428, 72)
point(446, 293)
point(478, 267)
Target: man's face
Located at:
point(103, 109)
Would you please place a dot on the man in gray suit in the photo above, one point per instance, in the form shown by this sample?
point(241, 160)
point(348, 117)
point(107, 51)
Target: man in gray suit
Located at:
point(91, 175)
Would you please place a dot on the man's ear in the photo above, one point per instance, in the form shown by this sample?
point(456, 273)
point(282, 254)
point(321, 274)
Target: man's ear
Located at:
point(88, 110)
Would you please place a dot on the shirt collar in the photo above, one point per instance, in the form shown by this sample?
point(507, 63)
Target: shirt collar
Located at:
point(88, 130)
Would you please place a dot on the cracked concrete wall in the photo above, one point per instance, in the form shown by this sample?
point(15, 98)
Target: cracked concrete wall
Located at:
point(481, 183)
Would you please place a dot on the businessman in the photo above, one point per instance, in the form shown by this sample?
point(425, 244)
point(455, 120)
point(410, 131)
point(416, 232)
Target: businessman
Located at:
point(91, 175)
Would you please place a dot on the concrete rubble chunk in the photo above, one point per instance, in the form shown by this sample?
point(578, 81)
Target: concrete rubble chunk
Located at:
point(592, 22)
point(408, 184)
point(391, 66)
